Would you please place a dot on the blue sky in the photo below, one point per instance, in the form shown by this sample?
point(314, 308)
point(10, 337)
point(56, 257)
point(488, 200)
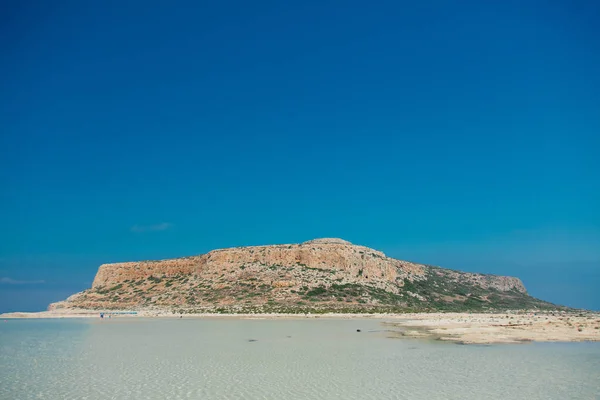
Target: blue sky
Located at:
point(462, 135)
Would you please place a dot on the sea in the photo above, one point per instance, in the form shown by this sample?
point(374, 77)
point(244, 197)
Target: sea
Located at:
point(191, 358)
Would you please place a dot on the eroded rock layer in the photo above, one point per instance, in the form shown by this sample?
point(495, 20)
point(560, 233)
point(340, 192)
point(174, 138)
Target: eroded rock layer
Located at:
point(318, 275)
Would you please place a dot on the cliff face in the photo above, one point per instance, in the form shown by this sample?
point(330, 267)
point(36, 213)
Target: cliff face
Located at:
point(327, 274)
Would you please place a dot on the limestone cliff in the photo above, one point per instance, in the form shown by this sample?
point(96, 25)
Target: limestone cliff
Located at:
point(321, 274)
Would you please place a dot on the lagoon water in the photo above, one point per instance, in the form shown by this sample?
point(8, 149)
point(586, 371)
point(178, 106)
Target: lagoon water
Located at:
point(128, 358)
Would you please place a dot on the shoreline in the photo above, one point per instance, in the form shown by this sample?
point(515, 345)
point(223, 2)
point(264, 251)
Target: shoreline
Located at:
point(166, 314)
point(503, 327)
point(462, 328)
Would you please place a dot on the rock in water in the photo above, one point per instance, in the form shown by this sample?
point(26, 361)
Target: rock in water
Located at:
point(319, 275)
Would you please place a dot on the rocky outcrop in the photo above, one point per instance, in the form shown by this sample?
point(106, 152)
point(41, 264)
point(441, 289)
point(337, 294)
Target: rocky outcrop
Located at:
point(322, 273)
point(358, 264)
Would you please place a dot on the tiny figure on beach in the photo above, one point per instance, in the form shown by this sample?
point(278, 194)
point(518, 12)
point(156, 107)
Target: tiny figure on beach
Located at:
point(101, 315)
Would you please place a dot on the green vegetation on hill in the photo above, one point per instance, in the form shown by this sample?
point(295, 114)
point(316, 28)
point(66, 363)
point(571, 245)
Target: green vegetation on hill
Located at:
point(315, 277)
point(435, 292)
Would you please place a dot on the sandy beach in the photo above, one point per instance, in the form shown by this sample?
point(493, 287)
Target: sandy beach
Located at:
point(465, 328)
point(502, 328)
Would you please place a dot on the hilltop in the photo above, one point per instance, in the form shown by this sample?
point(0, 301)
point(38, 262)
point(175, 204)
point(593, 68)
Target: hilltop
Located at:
point(321, 275)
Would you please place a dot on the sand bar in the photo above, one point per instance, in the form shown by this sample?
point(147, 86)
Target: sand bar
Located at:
point(465, 328)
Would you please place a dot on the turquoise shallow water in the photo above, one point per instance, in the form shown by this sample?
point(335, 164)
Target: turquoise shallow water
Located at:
point(276, 359)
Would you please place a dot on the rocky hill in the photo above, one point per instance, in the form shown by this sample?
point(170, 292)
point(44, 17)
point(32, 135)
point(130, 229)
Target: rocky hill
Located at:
point(315, 276)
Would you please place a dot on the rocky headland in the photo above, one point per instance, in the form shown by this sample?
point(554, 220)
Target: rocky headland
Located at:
point(317, 276)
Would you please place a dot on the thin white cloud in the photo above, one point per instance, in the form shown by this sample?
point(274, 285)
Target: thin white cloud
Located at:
point(11, 281)
point(151, 228)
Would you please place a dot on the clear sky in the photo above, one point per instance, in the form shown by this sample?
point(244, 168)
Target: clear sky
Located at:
point(461, 134)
